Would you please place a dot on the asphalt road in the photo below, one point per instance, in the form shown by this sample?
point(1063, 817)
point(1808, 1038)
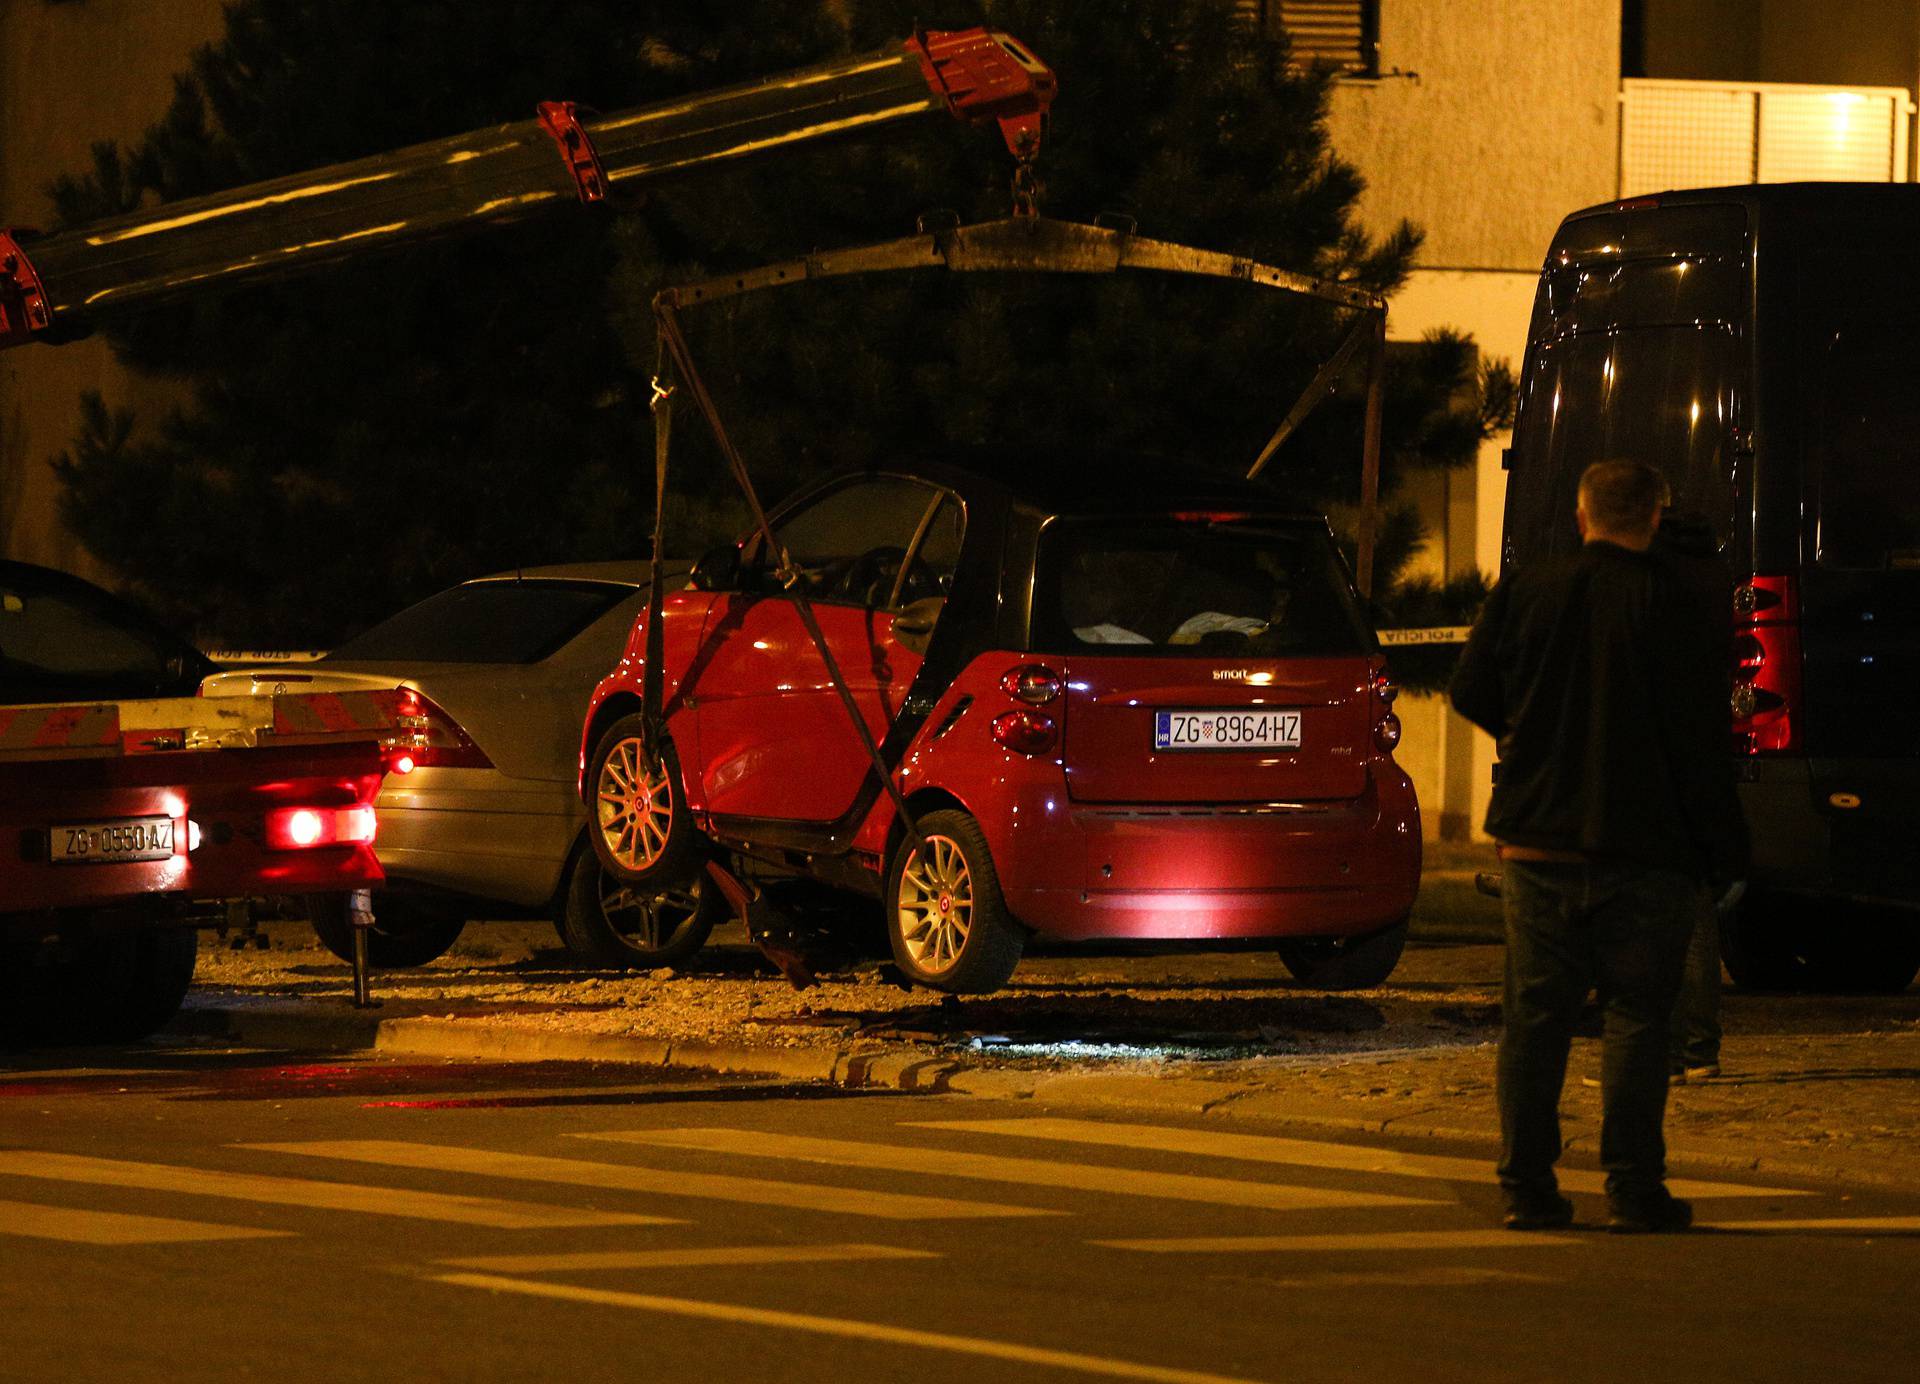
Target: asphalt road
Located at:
point(196, 1212)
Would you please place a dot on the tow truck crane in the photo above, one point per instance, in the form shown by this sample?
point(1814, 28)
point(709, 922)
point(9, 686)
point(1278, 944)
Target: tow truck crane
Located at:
point(98, 770)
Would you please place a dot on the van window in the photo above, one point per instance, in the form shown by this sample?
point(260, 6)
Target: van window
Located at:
point(1205, 588)
point(1865, 413)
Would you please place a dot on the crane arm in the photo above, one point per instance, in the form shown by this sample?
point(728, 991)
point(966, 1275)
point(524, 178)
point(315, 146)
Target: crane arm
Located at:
point(53, 286)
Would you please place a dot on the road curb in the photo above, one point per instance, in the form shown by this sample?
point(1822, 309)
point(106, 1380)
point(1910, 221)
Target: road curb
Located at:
point(877, 1067)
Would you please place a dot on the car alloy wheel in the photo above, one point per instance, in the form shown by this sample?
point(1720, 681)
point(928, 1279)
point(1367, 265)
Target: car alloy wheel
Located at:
point(648, 921)
point(935, 900)
point(947, 921)
point(633, 799)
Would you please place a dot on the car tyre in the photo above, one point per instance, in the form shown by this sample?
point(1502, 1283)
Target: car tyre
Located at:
point(637, 816)
point(1345, 963)
point(1765, 944)
point(607, 922)
point(946, 917)
point(405, 932)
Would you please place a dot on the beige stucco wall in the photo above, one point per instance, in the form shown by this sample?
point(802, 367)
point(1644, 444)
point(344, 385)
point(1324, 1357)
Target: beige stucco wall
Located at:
point(72, 74)
point(1510, 123)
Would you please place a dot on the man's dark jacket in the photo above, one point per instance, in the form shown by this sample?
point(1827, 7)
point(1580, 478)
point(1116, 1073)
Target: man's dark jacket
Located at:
point(1604, 676)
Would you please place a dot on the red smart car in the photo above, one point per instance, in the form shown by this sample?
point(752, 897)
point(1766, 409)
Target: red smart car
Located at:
point(1145, 705)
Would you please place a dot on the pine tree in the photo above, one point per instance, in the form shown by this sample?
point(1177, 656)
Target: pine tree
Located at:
point(357, 441)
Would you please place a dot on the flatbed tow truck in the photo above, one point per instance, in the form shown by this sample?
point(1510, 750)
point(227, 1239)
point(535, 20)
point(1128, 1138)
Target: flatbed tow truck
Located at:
point(124, 826)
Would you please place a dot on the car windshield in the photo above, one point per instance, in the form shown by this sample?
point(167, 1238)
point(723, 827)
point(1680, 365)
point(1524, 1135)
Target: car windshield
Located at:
point(1206, 586)
point(487, 622)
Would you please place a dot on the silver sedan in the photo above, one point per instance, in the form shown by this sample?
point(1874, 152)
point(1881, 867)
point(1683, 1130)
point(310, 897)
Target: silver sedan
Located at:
point(484, 820)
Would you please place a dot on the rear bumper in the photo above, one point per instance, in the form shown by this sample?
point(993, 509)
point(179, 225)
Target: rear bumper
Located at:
point(1807, 840)
point(1319, 869)
point(478, 832)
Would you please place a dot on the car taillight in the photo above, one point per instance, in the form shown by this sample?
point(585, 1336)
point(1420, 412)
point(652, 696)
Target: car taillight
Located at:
point(1026, 732)
point(1381, 692)
point(304, 828)
point(1032, 683)
point(1766, 667)
point(429, 738)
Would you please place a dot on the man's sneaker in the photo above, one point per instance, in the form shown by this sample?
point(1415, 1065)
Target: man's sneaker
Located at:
point(1657, 1212)
point(1538, 1211)
point(1696, 1073)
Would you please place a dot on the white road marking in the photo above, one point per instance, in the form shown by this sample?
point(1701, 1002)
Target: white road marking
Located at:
point(1030, 1172)
point(626, 1177)
point(317, 1196)
point(1863, 1225)
point(843, 1327)
point(685, 1258)
point(1306, 1153)
point(1319, 1244)
point(79, 1227)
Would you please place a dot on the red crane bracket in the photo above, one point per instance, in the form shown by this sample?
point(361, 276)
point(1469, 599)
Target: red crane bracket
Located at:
point(23, 302)
point(990, 78)
point(562, 121)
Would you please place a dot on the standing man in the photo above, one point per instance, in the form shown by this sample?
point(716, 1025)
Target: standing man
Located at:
point(1606, 685)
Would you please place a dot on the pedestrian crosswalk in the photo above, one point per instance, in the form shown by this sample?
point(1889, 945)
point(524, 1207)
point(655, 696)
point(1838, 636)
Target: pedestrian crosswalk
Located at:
point(648, 1193)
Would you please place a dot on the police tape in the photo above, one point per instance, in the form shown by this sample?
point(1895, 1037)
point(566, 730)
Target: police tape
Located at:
point(1438, 634)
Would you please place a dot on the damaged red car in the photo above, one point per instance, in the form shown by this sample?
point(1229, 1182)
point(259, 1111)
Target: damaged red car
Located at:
point(1145, 706)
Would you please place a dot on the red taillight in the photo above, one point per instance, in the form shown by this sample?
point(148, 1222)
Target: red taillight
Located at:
point(1025, 732)
point(1381, 692)
point(1766, 667)
point(429, 738)
point(304, 828)
point(1032, 683)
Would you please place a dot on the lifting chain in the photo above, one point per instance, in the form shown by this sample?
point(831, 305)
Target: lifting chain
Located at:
point(1026, 190)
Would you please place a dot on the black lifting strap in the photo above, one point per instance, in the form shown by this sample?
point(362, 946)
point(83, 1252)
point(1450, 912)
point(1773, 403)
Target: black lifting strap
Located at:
point(652, 675)
point(682, 362)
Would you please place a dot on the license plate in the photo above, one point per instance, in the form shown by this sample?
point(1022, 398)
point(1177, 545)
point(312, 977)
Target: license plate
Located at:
point(105, 843)
point(1210, 728)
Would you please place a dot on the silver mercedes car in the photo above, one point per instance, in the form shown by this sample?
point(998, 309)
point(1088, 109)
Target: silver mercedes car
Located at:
point(483, 820)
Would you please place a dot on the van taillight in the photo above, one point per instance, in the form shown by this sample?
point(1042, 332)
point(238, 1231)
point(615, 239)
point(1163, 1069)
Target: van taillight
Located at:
point(429, 738)
point(1766, 667)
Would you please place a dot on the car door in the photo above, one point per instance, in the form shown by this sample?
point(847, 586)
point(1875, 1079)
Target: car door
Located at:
point(774, 739)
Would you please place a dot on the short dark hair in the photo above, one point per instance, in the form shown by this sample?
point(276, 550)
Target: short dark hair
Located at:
point(1623, 496)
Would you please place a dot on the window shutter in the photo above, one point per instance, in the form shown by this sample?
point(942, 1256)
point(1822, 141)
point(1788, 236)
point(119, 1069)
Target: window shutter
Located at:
point(1341, 34)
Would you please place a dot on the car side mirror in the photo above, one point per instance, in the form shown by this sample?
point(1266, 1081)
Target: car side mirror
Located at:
point(717, 570)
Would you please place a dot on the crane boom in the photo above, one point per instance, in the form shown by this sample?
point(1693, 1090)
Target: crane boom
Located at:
point(55, 286)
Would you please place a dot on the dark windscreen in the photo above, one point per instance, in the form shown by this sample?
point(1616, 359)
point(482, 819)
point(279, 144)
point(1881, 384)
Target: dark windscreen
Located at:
point(1860, 308)
point(1636, 353)
point(1213, 588)
point(487, 622)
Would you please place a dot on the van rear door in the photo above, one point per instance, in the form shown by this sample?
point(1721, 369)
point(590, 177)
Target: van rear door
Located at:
point(1209, 658)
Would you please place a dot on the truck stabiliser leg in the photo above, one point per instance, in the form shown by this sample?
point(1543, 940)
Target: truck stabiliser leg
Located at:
point(360, 911)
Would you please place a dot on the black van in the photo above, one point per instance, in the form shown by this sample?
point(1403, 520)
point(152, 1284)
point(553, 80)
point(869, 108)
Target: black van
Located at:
point(1761, 345)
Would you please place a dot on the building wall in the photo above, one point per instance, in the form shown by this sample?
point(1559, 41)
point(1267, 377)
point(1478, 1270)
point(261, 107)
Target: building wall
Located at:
point(72, 74)
point(1839, 42)
point(1507, 119)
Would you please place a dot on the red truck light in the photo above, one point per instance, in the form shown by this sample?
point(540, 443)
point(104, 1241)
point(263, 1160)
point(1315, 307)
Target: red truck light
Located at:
point(302, 828)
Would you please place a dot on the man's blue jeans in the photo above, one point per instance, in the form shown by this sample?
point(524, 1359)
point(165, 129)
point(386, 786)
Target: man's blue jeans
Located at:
point(1571, 929)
